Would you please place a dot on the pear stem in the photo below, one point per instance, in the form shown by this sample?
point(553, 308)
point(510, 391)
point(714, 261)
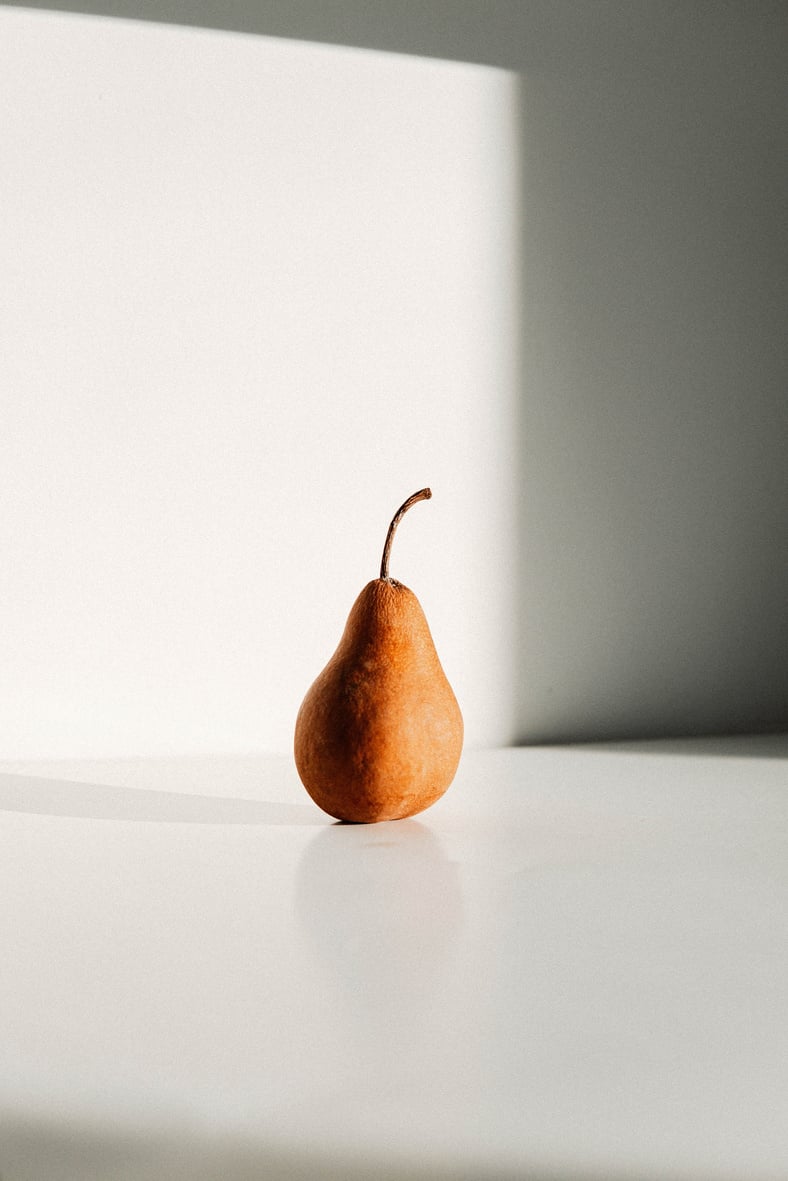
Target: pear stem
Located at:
point(424, 494)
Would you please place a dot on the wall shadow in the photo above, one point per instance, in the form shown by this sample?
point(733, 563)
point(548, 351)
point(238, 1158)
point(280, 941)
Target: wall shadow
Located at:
point(479, 31)
point(729, 746)
point(653, 554)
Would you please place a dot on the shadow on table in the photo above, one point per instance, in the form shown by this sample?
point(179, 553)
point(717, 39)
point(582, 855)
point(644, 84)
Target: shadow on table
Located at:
point(90, 801)
point(38, 1150)
point(743, 746)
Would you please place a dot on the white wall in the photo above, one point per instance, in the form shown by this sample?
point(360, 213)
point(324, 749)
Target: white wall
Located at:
point(255, 293)
point(651, 484)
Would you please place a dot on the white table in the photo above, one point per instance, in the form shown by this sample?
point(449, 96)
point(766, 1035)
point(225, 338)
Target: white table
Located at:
point(575, 965)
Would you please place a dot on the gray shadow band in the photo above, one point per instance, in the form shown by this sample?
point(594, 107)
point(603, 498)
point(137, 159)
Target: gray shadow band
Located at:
point(89, 801)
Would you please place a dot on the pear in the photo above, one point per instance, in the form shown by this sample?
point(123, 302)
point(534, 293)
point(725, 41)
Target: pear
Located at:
point(379, 734)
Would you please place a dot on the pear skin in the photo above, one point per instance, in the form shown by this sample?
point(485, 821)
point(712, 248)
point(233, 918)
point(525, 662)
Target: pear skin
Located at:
point(379, 734)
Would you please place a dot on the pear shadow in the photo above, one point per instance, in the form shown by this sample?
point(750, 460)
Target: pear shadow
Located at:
point(40, 1149)
point(38, 796)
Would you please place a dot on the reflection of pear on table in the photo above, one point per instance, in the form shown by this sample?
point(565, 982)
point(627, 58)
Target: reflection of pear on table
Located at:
point(379, 734)
point(381, 917)
point(381, 910)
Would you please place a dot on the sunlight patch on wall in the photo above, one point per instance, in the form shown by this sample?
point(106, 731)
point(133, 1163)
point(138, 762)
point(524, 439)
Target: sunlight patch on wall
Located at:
point(255, 293)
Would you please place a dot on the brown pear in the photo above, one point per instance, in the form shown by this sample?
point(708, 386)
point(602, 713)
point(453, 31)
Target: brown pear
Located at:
point(379, 734)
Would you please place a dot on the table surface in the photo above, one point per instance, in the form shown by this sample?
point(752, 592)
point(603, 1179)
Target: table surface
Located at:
point(574, 965)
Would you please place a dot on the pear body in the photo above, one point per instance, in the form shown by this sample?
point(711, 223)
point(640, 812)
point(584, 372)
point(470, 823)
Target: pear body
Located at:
point(379, 734)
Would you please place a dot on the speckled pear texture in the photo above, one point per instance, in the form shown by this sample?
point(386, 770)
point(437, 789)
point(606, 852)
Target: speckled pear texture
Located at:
point(379, 734)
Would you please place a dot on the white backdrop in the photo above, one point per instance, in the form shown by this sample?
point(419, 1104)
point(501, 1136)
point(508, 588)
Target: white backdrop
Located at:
point(254, 293)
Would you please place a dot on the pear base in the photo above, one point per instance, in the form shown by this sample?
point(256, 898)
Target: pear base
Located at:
point(360, 808)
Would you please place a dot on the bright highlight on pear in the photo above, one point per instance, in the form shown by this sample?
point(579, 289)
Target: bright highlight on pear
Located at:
point(379, 734)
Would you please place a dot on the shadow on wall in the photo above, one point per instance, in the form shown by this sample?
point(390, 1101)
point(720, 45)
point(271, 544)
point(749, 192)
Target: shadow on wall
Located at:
point(653, 492)
point(654, 419)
